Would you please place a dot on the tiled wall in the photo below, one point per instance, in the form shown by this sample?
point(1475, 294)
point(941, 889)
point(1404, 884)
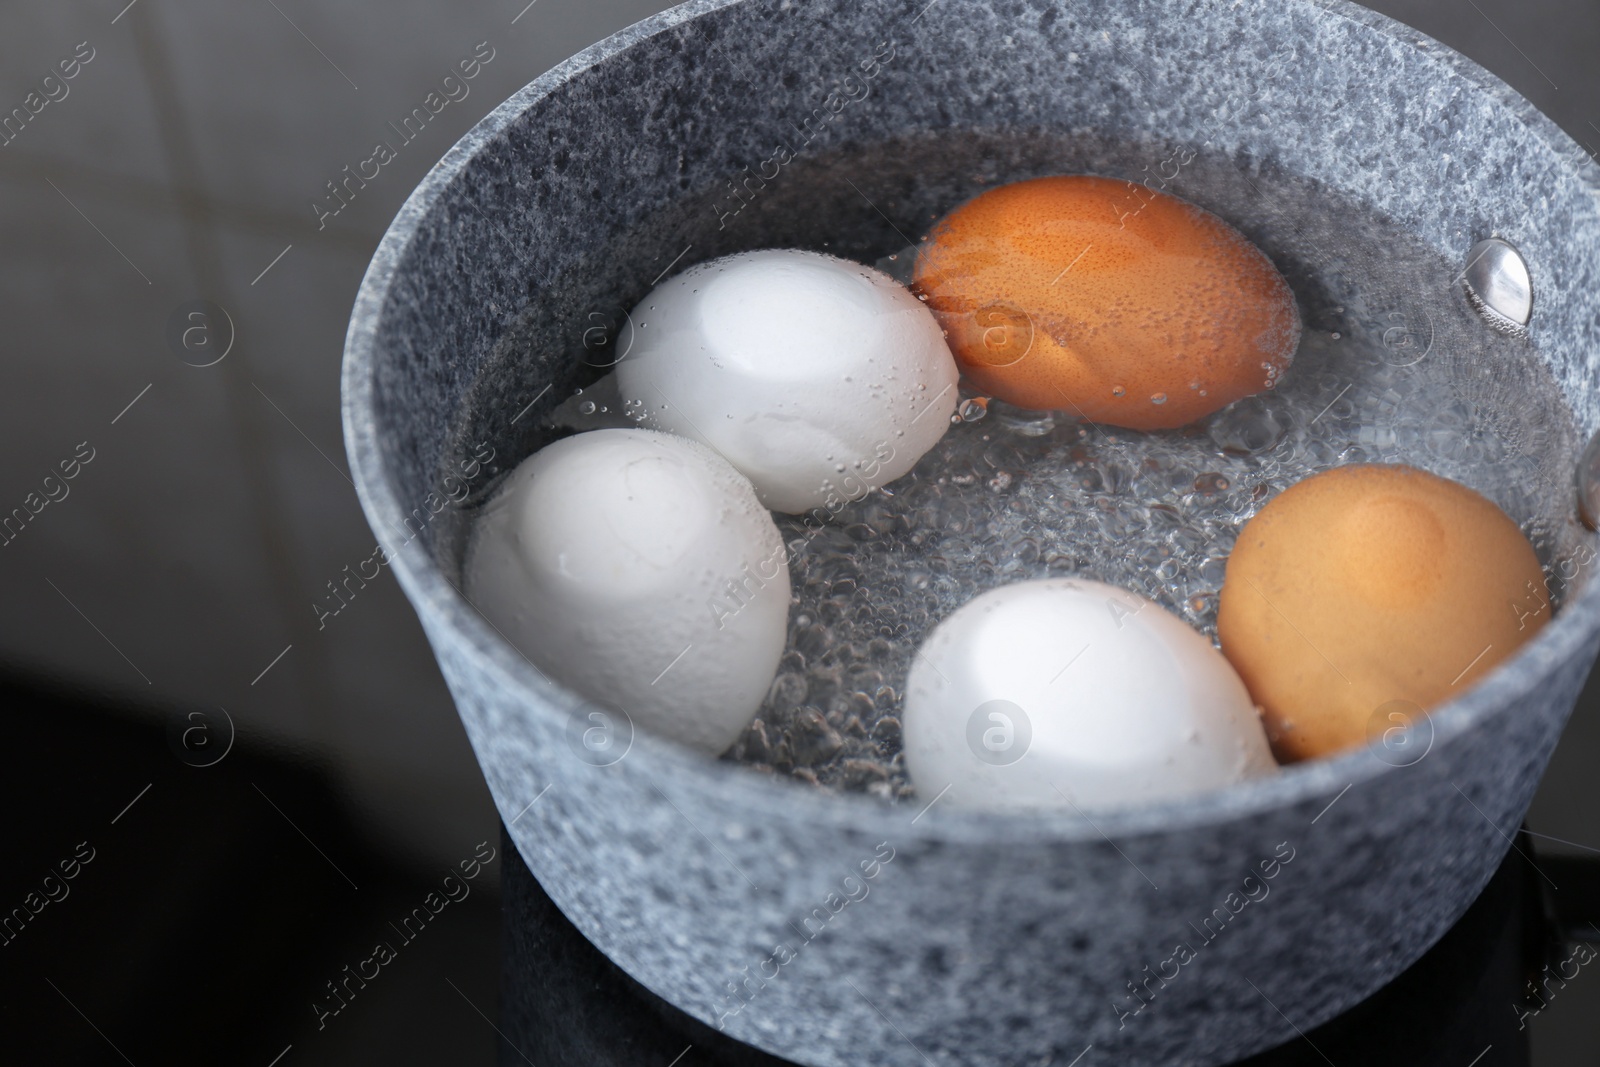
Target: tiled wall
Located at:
point(184, 159)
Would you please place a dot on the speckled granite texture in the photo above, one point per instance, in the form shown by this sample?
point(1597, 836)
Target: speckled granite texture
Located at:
point(984, 940)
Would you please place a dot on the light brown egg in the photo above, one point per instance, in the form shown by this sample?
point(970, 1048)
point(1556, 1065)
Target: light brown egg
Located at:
point(1106, 299)
point(1365, 596)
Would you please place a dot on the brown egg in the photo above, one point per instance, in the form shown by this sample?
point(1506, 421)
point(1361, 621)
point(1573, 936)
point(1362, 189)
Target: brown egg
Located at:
point(1106, 299)
point(1364, 596)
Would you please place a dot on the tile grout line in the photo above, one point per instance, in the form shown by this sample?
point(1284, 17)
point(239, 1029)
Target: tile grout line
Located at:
point(252, 432)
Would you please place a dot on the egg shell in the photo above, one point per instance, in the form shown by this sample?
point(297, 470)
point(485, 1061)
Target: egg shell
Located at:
point(1105, 699)
point(1371, 588)
point(1107, 299)
point(818, 378)
point(638, 569)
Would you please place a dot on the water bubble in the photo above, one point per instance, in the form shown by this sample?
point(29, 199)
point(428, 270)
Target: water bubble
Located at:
point(812, 739)
point(1117, 390)
point(1248, 427)
point(972, 410)
point(586, 408)
point(1158, 398)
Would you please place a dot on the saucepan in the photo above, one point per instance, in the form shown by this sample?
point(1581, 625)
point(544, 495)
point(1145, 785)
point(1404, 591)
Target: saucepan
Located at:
point(836, 926)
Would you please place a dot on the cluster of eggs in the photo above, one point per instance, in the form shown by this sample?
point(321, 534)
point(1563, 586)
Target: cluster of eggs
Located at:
point(640, 566)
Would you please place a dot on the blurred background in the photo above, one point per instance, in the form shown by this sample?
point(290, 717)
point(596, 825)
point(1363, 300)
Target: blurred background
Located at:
point(175, 303)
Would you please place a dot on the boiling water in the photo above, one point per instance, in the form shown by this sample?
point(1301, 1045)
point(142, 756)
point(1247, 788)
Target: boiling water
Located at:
point(1010, 495)
point(1394, 367)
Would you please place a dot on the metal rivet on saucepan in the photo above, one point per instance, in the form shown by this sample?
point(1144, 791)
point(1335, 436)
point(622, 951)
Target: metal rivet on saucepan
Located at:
point(1499, 287)
point(1589, 484)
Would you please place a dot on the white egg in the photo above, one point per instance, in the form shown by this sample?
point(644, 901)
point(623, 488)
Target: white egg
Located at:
point(816, 377)
point(1066, 692)
point(638, 569)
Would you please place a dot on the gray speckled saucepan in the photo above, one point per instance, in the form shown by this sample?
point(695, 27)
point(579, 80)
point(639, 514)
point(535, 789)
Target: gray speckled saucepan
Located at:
point(839, 929)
